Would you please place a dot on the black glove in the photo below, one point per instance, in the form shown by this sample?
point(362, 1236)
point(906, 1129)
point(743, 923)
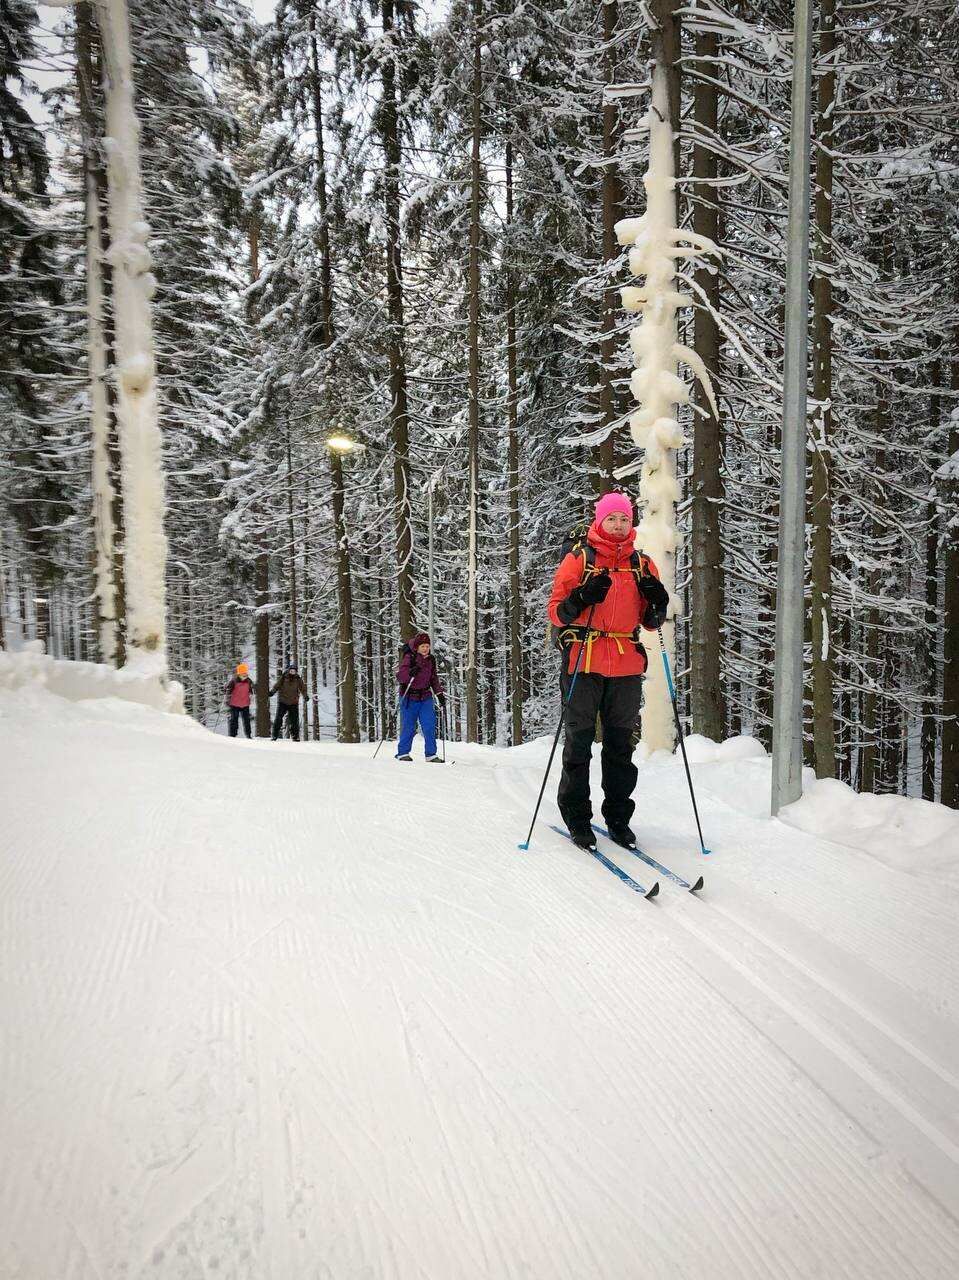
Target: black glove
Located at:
point(593, 591)
point(657, 600)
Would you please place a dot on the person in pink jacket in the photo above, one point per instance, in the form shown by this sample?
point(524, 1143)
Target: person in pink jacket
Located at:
point(239, 693)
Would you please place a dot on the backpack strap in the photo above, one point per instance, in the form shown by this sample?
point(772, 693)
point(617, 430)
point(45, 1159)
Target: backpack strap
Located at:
point(588, 555)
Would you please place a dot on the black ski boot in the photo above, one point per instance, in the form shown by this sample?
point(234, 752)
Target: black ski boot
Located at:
point(581, 833)
point(622, 835)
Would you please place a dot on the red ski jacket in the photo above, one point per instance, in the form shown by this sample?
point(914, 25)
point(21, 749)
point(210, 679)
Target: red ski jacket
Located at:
point(609, 650)
point(238, 691)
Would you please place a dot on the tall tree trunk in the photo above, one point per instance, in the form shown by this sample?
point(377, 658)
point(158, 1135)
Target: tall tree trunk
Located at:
point(347, 720)
point(473, 285)
point(612, 197)
point(262, 597)
point(348, 723)
point(399, 412)
point(949, 778)
point(102, 425)
point(291, 560)
point(145, 544)
point(706, 585)
point(656, 347)
point(820, 503)
point(512, 495)
point(929, 725)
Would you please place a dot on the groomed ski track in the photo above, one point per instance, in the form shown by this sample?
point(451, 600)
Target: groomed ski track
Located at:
point(282, 1011)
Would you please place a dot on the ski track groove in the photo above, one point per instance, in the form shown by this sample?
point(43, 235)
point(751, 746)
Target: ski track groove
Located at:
point(526, 1207)
point(868, 1074)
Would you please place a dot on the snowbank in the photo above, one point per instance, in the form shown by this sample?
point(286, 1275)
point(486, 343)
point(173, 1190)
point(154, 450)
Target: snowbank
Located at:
point(81, 681)
point(902, 831)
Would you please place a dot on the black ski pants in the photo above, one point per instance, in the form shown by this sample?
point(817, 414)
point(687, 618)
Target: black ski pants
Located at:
point(616, 700)
point(292, 712)
point(235, 715)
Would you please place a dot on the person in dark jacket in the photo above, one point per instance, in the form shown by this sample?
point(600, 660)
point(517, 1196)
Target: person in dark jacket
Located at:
point(238, 694)
point(289, 689)
point(418, 680)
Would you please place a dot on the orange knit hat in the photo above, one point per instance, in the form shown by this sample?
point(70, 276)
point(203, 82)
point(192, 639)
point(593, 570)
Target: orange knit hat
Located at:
point(243, 669)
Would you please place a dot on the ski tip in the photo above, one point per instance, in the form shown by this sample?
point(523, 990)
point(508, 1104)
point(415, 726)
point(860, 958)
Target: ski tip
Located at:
point(653, 891)
point(695, 888)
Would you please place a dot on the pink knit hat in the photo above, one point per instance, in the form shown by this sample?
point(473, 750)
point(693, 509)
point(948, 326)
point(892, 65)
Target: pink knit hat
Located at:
point(611, 502)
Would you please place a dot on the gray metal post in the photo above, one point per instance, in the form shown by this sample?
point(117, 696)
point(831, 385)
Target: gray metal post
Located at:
point(788, 677)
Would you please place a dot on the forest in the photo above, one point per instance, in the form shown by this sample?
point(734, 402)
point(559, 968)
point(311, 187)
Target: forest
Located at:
point(377, 359)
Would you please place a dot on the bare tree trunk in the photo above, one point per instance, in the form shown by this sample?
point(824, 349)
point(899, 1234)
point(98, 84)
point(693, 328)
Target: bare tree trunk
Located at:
point(706, 584)
point(370, 699)
point(349, 730)
point(612, 196)
point(399, 412)
point(929, 724)
point(291, 562)
point(512, 495)
point(820, 503)
point(102, 424)
point(949, 778)
point(473, 285)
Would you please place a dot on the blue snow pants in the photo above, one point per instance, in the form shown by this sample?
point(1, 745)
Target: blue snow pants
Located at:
point(425, 713)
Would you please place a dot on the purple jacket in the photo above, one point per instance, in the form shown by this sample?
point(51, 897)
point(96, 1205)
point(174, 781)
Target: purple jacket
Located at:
point(422, 671)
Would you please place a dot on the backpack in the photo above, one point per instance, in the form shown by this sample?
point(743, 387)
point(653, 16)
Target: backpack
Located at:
point(576, 543)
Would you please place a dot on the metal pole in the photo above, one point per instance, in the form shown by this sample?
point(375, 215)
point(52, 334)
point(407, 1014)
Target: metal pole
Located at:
point(788, 676)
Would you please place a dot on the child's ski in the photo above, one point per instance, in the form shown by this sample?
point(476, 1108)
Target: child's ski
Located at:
point(651, 862)
point(618, 872)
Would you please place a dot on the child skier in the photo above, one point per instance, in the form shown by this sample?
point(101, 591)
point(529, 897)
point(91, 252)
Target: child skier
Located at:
point(606, 583)
point(418, 680)
point(238, 694)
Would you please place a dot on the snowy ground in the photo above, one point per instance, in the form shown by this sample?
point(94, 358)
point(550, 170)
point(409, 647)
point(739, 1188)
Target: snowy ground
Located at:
point(284, 1012)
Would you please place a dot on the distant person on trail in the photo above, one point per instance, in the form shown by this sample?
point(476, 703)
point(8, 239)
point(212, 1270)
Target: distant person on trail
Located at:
point(289, 689)
point(603, 572)
point(418, 680)
point(238, 694)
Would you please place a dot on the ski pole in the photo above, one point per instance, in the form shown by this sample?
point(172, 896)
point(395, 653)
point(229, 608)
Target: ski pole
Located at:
point(442, 708)
point(679, 730)
point(559, 727)
point(383, 739)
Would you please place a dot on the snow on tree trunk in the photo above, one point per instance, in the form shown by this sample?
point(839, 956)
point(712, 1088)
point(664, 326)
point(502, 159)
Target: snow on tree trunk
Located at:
point(145, 545)
point(655, 382)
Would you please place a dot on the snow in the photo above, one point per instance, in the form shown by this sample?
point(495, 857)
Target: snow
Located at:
point(139, 682)
point(283, 1011)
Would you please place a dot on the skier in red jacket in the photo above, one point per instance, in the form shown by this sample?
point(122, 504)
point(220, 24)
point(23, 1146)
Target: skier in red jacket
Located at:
point(238, 693)
point(622, 588)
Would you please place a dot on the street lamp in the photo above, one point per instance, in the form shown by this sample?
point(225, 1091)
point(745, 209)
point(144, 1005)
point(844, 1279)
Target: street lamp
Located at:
point(349, 731)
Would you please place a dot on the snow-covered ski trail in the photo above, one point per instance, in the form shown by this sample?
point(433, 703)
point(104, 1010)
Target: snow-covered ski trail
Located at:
point(282, 1011)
